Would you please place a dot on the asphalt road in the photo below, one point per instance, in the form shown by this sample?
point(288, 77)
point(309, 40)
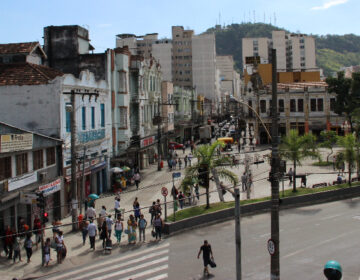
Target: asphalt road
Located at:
point(309, 237)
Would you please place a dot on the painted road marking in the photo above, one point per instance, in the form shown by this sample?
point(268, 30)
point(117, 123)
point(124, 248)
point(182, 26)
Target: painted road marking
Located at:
point(110, 261)
point(144, 273)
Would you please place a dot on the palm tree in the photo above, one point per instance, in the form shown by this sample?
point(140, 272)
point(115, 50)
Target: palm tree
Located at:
point(348, 142)
point(296, 148)
point(209, 162)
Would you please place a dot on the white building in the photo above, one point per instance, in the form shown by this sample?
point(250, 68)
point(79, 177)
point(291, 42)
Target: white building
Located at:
point(294, 52)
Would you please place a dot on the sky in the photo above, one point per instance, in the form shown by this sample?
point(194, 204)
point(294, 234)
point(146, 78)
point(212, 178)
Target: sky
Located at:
point(24, 20)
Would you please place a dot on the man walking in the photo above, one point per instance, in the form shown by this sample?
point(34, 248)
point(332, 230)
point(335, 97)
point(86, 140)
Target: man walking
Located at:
point(92, 230)
point(243, 182)
point(207, 256)
point(137, 180)
point(109, 223)
point(142, 227)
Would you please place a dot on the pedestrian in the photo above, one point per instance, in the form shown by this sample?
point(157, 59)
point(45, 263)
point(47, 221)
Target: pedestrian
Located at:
point(152, 211)
point(137, 179)
point(290, 174)
point(101, 219)
point(339, 179)
point(55, 228)
point(207, 256)
point(92, 231)
point(303, 181)
point(109, 223)
point(28, 243)
point(243, 182)
point(176, 155)
point(174, 192)
point(158, 224)
point(190, 158)
point(131, 230)
point(142, 227)
point(183, 148)
point(119, 227)
point(186, 160)
point(239, 146)
point(17, 248)
point(9, 240)
point(117, 206)
point(85, 231)
point(192, 147)
point(197, 191)
point(181, 198)
point(90, 213)
point(158, 207)
point(46, 250)
point(104, 233)
point(59, 246)
point(37, 231)
point(180, 163)
point(136, 207)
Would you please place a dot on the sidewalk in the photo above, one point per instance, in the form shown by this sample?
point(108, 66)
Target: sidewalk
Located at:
point(150, 189)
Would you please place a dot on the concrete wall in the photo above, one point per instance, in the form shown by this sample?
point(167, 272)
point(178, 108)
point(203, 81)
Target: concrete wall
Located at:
point(162, 53)
point(24, 101)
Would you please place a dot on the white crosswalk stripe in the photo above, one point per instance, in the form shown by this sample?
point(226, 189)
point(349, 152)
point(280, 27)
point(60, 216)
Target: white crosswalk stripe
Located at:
point(150, 264)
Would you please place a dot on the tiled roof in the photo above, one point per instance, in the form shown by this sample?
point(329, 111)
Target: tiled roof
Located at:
point(26, 74)
point(17, 47)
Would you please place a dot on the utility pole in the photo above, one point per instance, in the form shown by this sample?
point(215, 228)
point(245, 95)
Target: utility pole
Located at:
point(159, 138)
point(73, 162)
point(275, 167)
point(237, 234)
point(82, 189)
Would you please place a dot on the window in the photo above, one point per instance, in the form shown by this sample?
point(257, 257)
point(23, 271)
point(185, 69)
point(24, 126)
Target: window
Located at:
point(92, 117)
point(38, 160)
point(68, 119)
point(292, 105)
point(302, 64)
point(5, 168)
point(123, 117)
point(302, 47)
point(102, 114)
point(313, 105)
point(122, 82)
point(21, 164)
point(281, 105)
point(332, 104)
point(50, 156)
point(320, 104)
point(83, 113)
point(262, 106)
point(300, 105)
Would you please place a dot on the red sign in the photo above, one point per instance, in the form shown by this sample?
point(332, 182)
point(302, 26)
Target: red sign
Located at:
point(147, 141)
point(164, 191)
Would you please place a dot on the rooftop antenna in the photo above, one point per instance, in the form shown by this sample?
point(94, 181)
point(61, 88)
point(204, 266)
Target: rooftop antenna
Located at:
point(254, 16)
point(244, 17)
point(275, 19)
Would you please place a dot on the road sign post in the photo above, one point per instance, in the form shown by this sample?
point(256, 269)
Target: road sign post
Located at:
point(164, 192)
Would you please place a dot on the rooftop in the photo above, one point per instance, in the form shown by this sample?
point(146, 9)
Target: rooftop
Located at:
point(26, 74)
point(18, 47)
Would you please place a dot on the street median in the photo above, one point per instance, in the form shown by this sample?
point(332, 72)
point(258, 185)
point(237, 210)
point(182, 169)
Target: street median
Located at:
point(261, 207)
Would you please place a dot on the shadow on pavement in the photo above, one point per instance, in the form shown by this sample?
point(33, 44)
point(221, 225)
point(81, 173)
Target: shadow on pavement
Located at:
point(305, 212)
point(352, 203)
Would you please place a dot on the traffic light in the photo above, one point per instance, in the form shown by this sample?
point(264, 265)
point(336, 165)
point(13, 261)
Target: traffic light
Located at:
point(45, 217)
point(40, 200)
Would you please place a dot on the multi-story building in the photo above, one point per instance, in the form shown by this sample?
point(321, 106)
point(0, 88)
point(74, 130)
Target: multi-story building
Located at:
point(306, 107)
point(294, 52)
point(29, 163)
point(29, 88)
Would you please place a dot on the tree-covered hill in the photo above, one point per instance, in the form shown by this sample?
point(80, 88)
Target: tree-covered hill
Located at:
point(332, 51)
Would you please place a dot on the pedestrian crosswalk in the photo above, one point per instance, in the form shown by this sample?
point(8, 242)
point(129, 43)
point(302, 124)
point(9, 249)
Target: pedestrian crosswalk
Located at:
point(150, 264)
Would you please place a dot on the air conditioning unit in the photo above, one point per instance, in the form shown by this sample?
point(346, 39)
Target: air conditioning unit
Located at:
point(42, 176)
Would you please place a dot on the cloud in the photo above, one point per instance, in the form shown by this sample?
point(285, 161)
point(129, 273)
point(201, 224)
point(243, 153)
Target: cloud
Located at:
point(104, 25)
point(329, 4)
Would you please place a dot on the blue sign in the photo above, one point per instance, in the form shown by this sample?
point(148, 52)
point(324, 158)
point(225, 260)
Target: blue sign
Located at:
point(176, 174)
point(92, 135)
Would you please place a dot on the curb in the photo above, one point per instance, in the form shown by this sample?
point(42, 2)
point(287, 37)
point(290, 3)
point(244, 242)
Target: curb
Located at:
point(261, 207)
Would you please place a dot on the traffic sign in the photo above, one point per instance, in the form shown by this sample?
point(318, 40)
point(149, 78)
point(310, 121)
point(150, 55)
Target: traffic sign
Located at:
point(176, 174)
point(164, 191)
point(271, 247)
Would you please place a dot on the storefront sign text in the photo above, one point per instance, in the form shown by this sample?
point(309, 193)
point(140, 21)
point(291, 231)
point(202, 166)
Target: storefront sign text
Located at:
point(22, 181)
point(16, 142)
point(147, 141)
point(51, 187)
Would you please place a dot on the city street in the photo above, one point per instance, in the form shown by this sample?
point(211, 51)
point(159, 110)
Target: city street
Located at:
point(310, 236)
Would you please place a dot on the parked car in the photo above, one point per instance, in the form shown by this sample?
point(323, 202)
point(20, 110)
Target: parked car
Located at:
point(175, 145)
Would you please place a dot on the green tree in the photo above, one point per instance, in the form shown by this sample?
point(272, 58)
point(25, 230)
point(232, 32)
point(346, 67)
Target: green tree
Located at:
point(347, 94)
point(215, 164)
point(348, 143)
point(330, 140)
point(296, 148)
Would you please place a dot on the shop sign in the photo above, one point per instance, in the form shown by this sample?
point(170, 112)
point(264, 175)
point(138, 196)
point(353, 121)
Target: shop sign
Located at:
point(92, 135)
point(28, 198)
point(16, 142)
point(147, 141)
point(51, 187)
point(22, 181)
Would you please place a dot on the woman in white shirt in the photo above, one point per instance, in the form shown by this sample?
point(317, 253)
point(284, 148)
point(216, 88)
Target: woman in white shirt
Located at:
point(118, 228)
